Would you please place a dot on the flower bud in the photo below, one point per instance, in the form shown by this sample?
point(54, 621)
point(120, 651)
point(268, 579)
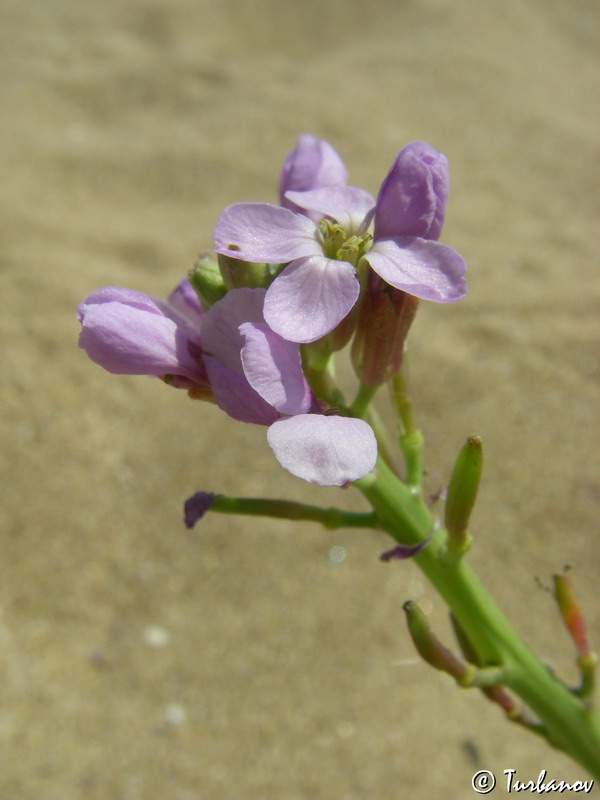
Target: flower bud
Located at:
point(412, 198)
point(207, 281)
point(384, 319)
point(429, 646)
point(571, 613)
point(462, 491)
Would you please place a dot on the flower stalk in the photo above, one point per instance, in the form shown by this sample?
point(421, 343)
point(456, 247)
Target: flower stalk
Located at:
point(254, 330)
point(569, 724)
point(331, 518)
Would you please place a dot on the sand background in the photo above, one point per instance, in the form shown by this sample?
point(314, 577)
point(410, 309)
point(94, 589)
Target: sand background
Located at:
point(138, 661)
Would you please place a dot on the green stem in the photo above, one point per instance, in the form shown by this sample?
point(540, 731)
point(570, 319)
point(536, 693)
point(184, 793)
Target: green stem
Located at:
point(411, 439)
point(331, 518)
point(363, 398)
point(383, 439)
point(319, 370)
point(402, 403)
point(570, 726)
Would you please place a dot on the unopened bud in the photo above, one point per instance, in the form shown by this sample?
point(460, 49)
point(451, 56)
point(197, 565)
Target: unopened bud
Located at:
point(571, 613)
point(462, 491)
point(206, 279)
point(429, 646)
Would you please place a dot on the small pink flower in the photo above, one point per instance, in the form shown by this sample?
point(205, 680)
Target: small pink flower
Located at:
point(320, 285)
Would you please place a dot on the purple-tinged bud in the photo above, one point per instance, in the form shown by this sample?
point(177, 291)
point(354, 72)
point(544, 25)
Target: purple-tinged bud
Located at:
point(312, 164)
point(571, 613)
point(412, 198)
point(385, 317)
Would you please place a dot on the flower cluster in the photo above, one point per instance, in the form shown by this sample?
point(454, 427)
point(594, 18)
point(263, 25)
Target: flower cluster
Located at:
point(254, 330)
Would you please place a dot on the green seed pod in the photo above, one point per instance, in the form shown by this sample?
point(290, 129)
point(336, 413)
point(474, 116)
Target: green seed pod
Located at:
point(462, 490)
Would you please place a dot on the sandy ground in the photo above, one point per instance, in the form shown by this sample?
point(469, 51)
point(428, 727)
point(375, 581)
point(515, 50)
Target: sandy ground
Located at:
point(138, 661)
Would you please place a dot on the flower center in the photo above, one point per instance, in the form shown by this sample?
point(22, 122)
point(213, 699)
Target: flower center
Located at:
point(337, 244)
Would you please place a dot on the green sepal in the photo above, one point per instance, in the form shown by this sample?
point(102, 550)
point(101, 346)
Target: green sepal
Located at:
point(206, 279)
point(252, 274)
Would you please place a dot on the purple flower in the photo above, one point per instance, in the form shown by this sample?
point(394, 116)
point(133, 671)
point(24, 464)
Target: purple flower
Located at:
point(252, 373)
point(131, 333)
point(320, 284)
point(257, 376)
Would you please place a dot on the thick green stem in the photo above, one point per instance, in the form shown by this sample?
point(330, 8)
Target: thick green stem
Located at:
point(570, 726)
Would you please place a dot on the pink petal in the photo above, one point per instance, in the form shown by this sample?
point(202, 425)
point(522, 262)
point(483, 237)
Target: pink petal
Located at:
point(221, 337)
point(272, 367)
point(421, 267)
point(310, 297)
point(184, 299)
point(264, 232)
point(348, 205)
point(235, 396)
point(329, 451)
point(312, 163)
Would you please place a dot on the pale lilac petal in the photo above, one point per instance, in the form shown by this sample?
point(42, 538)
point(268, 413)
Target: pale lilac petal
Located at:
point(196, 506)
point(412, 198)
point(184, 299)
point(348, 205)
point(330, 451)
point(264, 232)
point(424, 268)
point(310, 297)
point(134, 340)
point(273, 368)
point(312, 163)
point(221, 337)
point(129, 297)
point(235, 396)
